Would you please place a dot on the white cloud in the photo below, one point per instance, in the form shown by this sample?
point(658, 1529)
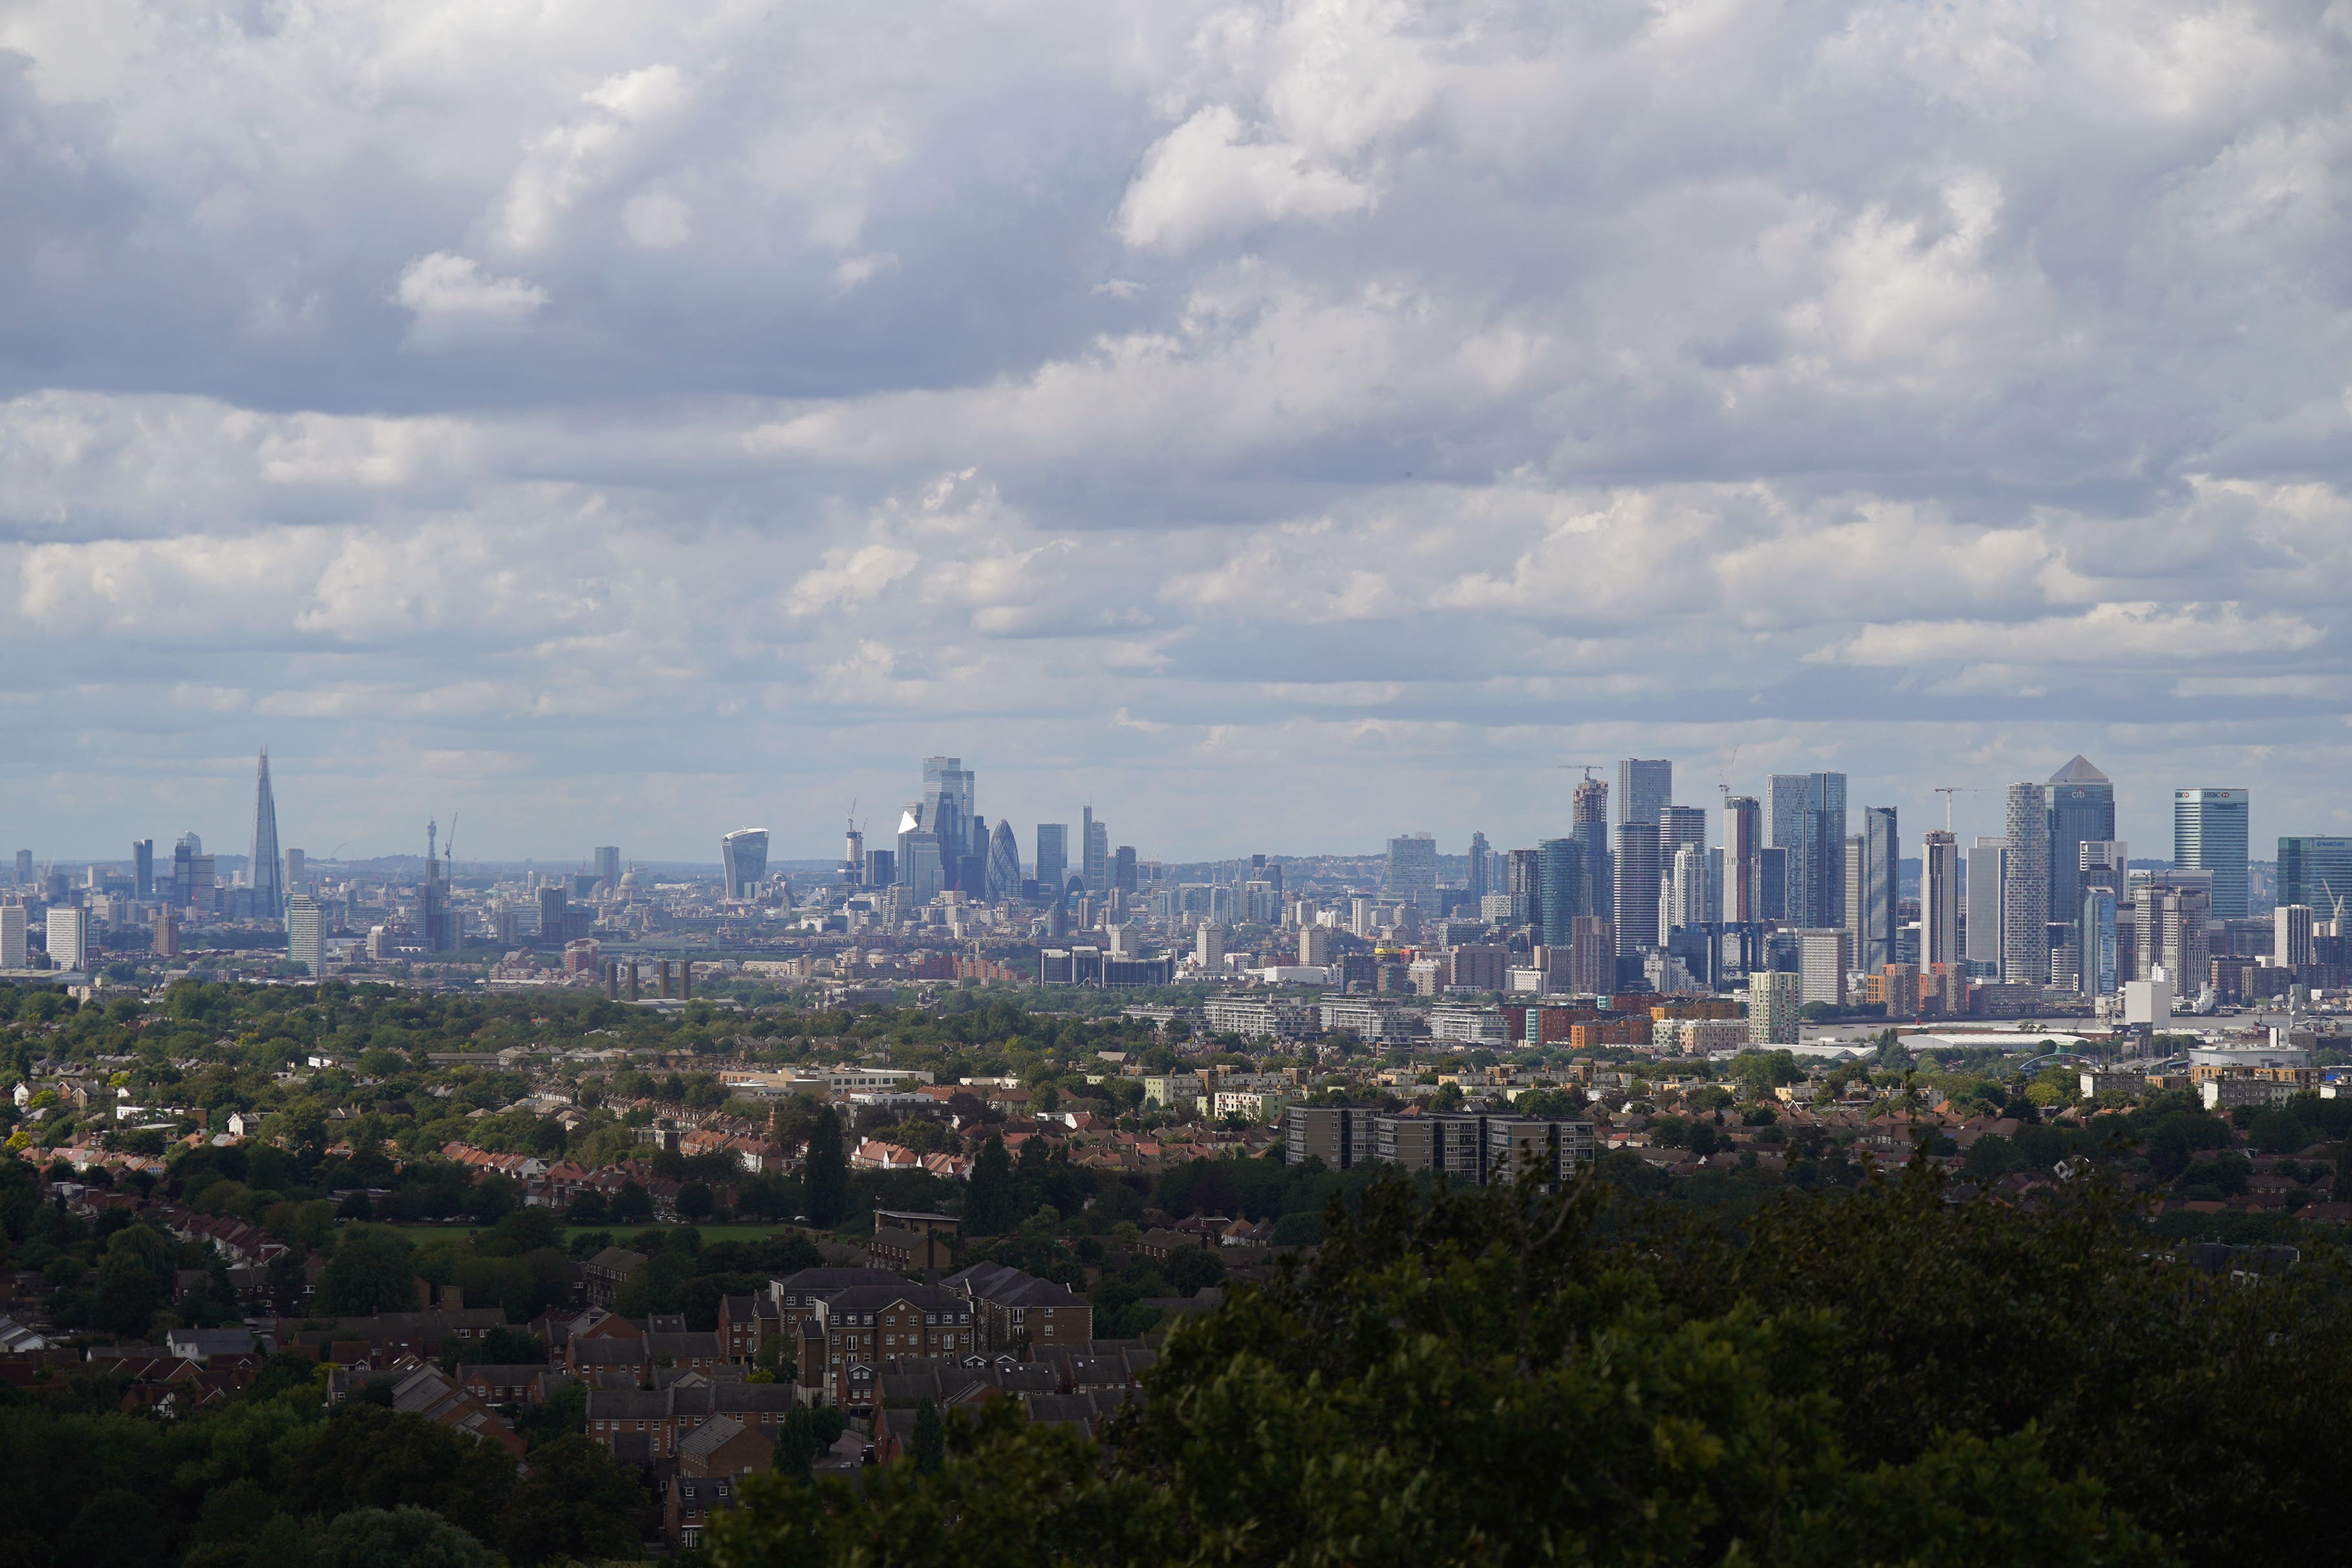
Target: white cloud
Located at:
point(1211, 175)
point(1210, 405)
point(447, 290)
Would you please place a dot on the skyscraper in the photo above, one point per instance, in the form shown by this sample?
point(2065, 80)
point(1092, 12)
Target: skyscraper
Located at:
point(12, 936)
point(2098, 939)
point(1479, 855)
point(1560, 889)
point(142, 868)
point(2316, 872)
point(1644, 789)
point(68, 936)
point(1988, 859)
point(1053, 858)
point(1589, 825)
point(1677, 826)
point(2210, 833)
point(1122, 874)
point(607, 860)
point(1742, 823)
point(1880, 886)
point(306, 934)
point(1523, 874)
point(1939, 900)
point(743, 860)
point(554, 917)
point(268, 873)
point(1094, 844)
point(1806, 816)
point(2025, 888)
point(2082, 810)
point(297, 869)
point(948, 808)
point(1411, 873)
point(24, 867)
point(1004, 862)
point(1639, 881)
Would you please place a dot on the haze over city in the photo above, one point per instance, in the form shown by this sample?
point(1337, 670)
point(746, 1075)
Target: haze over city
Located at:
point(1283, 427)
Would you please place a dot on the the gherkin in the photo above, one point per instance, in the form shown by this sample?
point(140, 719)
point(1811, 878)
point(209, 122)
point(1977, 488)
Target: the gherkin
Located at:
point(1004, 863)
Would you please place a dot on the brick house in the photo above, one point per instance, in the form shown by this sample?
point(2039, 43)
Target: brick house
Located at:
point(1016, 1310)
point(864, 1324)
point(745, 1323)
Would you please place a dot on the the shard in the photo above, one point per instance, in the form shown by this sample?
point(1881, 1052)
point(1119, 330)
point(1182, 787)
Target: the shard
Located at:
point(268, 867)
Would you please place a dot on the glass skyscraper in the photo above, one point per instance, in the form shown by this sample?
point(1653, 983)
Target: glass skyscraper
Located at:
point(1806, 816)
point(743, 860)
point(2082, 811)
point(1881, 887)
point(2314, 873)
point(2210, 832)
point(1644, 789)
point(1560, 889)
point(268, 870)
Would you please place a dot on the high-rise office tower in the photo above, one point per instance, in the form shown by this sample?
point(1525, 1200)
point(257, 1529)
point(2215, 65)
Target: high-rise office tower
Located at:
point(1411, 873)
point(1094, 844)
point(1771, 883)
point(1122, 872)
point(2210, 832)
point(1638, 876)
point(24, 868)
point(1880, 886)
point(1004, 862)
point(922, 870)
point(2025, 888)
point(1523, 880)
point(298, 868)
point(2292, 943)
point(607, 861)
point(1852, 897)
point(68, 936)
point(306, 934)
point(1209, 946)
point(1053, 858)
point(1742, 824)
point(1560, 889)
point(1644, 789)
point(1939, 899)
point(1589, 825)
point(2099, 932)
point(947, 807)
point(554, 917)
point(1677, 826)
point(12, 936)
point(1805, 814)
point(269, 873)
point(2082, 810)
point(743, 860)
point(1988, 859)
point(1688, 895)
point(142, 868)
point(183, 855)
point(2315, 872)
point(1479, 874)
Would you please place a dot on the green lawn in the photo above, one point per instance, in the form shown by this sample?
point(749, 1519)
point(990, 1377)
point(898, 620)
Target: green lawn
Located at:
point(421, 1234)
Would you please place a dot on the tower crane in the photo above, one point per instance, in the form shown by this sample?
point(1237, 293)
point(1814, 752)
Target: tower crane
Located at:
point(1948, 791)
point(1588, 767)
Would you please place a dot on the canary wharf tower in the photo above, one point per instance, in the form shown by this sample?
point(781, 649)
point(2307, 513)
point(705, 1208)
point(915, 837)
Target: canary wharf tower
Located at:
point(267, 872)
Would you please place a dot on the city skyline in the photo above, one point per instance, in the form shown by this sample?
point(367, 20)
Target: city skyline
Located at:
point(802, 844)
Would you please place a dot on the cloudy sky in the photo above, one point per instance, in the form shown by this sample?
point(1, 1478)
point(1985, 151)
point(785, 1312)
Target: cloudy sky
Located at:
point(1283, 426)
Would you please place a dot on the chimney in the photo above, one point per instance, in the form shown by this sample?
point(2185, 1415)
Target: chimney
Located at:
point(686, 979)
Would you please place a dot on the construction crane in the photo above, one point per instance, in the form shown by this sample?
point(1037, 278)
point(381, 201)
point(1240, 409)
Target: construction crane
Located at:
point(449, 848)
point(1948, 791)
point(1724, 783)
point(1588, 767)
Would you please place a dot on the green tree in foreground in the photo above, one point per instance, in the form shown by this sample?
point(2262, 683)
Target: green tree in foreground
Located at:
point(1495, 1376)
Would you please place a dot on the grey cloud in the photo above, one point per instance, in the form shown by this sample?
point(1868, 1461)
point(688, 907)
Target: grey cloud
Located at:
point(1290, 422)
